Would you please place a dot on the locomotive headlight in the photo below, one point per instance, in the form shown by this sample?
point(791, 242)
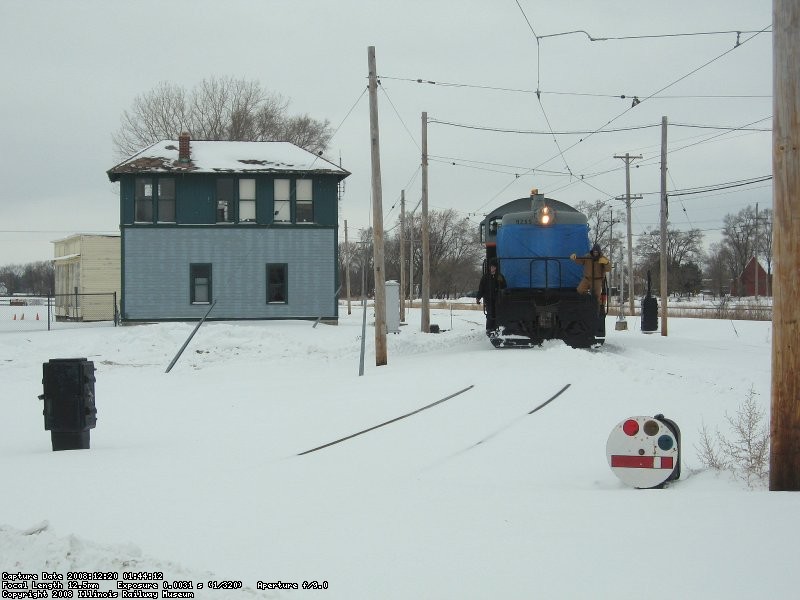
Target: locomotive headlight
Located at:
point(546, 216)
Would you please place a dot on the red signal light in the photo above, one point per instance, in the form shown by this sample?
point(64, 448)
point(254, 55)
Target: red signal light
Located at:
point(630, 427)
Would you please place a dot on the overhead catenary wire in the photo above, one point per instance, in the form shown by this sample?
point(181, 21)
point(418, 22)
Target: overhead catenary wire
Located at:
point(594, 131)
point(650, 36)
point(669, 85)
point(394, 108)
point(516, 173)
point(546, 92)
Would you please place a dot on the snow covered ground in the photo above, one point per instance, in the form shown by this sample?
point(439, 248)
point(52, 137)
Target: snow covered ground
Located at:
point(196, 473)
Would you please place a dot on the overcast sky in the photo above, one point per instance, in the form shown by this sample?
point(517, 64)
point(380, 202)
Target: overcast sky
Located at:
point(69, 70)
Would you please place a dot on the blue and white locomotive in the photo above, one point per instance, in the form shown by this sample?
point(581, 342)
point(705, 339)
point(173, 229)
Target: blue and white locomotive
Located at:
point(531, 240)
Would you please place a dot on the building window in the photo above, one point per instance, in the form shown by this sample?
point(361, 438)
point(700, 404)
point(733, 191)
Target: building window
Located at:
point(143, 196)
point(305, 201)
point(224, 200)
point(200, 282)
point(282, 206)
point(166, 200)
point(247, 200)
point(277, 283)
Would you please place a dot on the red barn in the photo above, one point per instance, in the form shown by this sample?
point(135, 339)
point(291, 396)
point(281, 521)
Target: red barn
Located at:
point(745, 283)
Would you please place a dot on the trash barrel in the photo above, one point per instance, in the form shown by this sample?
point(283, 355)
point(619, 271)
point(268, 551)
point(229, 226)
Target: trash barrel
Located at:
point(649, 309)
point(69, 404)
point(649, 314)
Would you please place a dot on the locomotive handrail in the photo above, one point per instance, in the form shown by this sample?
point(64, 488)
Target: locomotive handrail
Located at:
point(534, 259)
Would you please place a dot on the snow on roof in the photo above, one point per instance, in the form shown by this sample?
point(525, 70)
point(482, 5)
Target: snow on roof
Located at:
point(232, 157)
point(66, 257)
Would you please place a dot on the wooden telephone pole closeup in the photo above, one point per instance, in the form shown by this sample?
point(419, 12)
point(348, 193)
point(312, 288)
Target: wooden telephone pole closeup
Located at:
point(377, 215)
point(784, 460)
point(426, 245)
point(664, 217)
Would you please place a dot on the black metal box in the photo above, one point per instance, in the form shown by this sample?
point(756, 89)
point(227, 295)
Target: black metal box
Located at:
point(69, 402)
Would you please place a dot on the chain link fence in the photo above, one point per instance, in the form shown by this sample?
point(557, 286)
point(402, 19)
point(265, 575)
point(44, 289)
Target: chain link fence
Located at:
point(58, 311)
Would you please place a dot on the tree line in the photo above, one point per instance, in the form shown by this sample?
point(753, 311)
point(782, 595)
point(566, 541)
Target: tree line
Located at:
point(691, 268)
point(37, 278)
point(457, 255)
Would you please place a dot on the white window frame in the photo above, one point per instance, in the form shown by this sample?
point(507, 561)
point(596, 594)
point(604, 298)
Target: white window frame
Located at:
point(247, 200)
point(283, 206)
point(304, 190)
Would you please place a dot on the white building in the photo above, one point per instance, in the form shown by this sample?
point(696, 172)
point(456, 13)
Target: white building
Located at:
point(87, 275)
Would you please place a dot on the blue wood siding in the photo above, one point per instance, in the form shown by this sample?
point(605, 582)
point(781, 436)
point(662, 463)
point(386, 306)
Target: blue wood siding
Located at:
point(156, 267)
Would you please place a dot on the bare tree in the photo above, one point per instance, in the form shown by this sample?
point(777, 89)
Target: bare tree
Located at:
point(221, 108)
point(307, 133)
point(739, 236)
point(682, 246)
point(684, 255)
point(718, 268)
point(601, 227)
point(456, 253)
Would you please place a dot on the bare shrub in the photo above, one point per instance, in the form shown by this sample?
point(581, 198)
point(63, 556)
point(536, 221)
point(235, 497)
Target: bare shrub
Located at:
point(746, 452)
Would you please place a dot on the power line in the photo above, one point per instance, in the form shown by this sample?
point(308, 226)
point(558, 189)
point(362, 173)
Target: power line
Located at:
point(651, 36)
point(717, 187)
point(537, 132)
point(693, 71)
point(399, 117)
point(589, 131)
point(468, 162)
point(621, 96)
point(555, 139)
point(538, 46)
point(364, 91)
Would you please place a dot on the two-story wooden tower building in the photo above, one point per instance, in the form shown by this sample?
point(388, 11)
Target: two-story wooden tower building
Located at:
point(250, 225)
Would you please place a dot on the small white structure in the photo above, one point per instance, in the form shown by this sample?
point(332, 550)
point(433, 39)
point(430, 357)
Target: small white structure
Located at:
point(392, 307)
point(87, 264)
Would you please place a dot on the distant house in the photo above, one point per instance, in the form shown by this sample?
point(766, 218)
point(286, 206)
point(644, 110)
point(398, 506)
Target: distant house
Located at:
point(745, 283)
point(252, 226)
point(87, 277)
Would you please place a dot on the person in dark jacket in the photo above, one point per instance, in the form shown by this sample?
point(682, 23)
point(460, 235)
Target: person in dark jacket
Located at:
point(595, 267)
point(488, 289)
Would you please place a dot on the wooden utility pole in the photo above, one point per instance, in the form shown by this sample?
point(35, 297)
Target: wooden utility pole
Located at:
point(377, 215)
point(784, 460)
point(426, 245)
point(628, 158)
point(411, 262)
point(347, 259)
point(402, 256)
point(664, 217)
